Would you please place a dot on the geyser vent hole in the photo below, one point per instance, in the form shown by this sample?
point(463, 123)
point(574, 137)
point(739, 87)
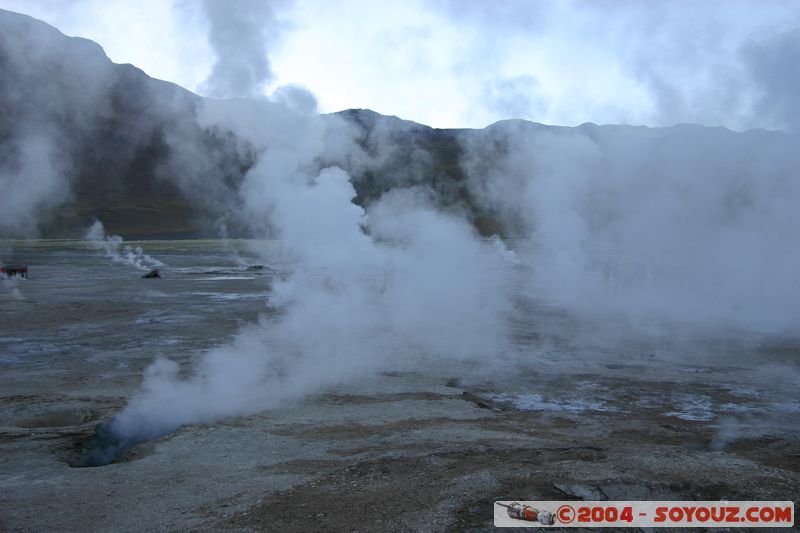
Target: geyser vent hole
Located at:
point(106, 447)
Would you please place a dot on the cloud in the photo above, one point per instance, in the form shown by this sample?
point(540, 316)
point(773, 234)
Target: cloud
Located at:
point(515, 97)
point(509, 15)
point(773, 62)
point(436, 61)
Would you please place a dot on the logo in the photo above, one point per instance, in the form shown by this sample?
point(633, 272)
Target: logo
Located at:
point(644, 514)
point(566, 514)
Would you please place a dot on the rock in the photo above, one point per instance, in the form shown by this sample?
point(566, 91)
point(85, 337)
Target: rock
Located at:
point(487, 403)
point(477, 400)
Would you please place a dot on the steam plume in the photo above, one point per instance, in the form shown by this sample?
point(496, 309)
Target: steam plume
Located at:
point(113, 248)
point(239, 36)
point(402, 283)
point(684, 224)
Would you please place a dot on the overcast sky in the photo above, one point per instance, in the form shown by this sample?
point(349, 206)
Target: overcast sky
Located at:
point(468, 63)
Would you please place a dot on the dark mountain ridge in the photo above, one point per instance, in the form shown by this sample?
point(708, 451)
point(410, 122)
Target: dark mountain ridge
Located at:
point(82, 138)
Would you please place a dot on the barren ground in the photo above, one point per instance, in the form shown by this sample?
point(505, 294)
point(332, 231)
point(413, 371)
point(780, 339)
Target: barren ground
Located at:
point(425, 449)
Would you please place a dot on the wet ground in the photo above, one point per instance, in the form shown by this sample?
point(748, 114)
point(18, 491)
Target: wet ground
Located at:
point(582, 411)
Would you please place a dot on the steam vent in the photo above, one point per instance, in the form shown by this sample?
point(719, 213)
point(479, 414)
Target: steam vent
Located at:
point(402, 266)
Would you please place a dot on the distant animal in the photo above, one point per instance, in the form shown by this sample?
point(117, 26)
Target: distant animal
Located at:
point(14, 271)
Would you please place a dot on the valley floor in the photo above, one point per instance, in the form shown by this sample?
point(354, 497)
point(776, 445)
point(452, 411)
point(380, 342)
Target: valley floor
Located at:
point(424, 449)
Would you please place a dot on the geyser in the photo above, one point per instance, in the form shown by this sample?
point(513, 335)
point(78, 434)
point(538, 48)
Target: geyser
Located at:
point(106, 446)
point(114, 248)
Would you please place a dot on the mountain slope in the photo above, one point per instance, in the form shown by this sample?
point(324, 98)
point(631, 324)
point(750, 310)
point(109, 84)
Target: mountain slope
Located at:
point(84, 138)
point(97, 132)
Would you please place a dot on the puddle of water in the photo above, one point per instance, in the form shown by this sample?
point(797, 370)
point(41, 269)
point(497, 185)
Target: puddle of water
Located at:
point(536, 402)
point(692, 407)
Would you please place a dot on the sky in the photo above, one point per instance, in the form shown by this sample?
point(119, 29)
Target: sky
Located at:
point(469, 63)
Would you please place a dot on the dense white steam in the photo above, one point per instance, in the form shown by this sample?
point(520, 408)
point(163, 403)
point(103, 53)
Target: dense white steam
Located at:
point(683, 224)
point(368, 291)
point(114, 248)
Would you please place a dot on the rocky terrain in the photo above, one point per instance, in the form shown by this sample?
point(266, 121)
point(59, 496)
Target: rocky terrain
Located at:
point(411, 449)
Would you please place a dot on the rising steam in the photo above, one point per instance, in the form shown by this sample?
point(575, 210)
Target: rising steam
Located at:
point(687, 224)
point(114, 248)
point(612, 221)
point(240, 39)
point(400, 284)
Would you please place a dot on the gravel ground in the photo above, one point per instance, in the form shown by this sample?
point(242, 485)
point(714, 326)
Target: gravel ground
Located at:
point(404, 451)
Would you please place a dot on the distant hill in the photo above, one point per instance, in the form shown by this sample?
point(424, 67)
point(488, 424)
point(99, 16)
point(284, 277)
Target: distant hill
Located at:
point(84, 138)
point(107, 123)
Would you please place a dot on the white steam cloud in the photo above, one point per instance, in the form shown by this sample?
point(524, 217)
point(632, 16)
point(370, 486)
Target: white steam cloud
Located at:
point(686, 224)
point(239, 36)
point(659, 226)
point(369, 291)
point(114, 248)
point(32, 185)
